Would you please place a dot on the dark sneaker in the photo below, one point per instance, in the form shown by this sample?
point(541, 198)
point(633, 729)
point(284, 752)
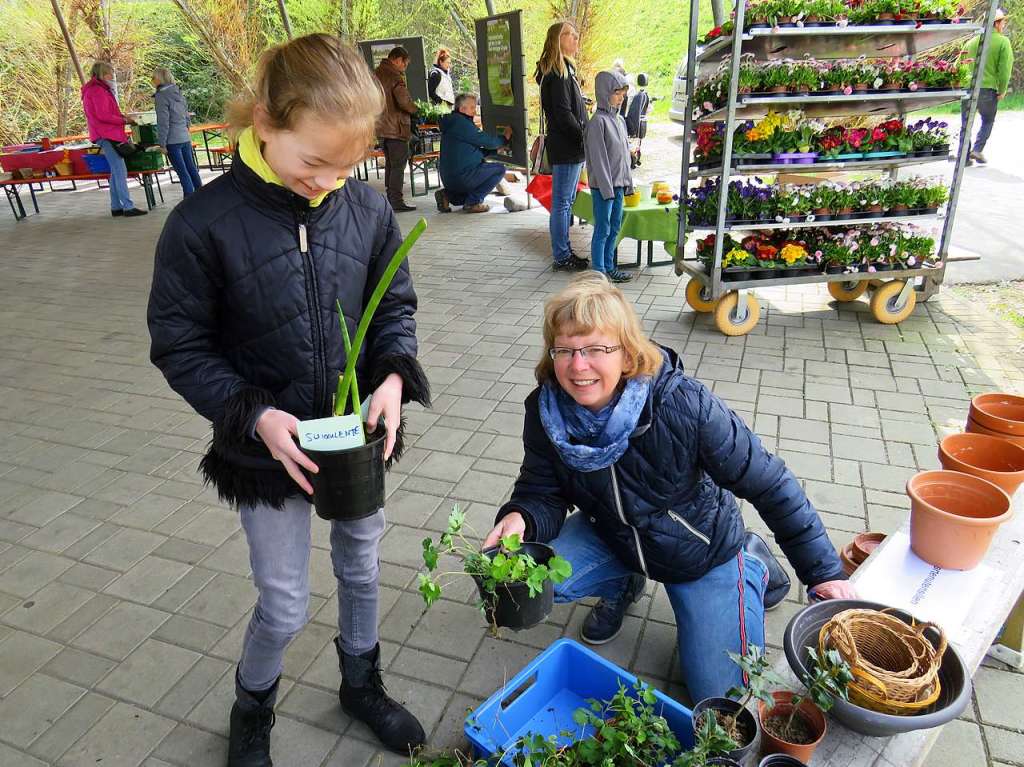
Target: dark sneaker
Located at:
point(252, 719)
point(571, 264)
point(364, 697)
point(116, 213)
point(616, 276)
point(778, 581)
point(132, 212)
point(441, 198)
point(978, 157)
point(604, 622)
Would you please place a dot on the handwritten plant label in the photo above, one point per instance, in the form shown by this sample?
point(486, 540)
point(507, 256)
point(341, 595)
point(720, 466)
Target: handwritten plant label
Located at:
point(336, 433)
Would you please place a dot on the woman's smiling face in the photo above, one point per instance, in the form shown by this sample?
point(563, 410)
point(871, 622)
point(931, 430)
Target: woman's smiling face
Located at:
point(590, 377)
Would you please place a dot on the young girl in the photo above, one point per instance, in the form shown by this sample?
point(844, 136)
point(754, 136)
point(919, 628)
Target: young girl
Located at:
point(243, 324)
point(654, 462)
point(607, 150)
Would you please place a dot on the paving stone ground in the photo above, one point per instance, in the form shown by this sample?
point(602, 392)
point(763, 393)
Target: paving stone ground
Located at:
point(124, 585)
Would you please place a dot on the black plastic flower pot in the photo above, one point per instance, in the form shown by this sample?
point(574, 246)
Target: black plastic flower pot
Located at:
point(746, 724)
point(762, 274)
point(511, 606)
point(735, 276)
point(834, 269)
point(350, 483)
point(781, 760)
point(721, 761)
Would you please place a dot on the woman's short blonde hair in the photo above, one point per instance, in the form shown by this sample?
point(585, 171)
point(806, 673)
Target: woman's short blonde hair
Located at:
point(163, 76)
point(589, 304)
point(100, 68)
point(317, 74)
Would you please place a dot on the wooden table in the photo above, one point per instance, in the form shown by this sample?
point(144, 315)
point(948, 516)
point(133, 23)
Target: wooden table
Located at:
point(12, 187)
point(843, 747)
point(209, 131)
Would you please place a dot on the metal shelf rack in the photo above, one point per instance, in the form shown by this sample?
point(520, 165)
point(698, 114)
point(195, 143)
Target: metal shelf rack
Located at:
point(735, 309)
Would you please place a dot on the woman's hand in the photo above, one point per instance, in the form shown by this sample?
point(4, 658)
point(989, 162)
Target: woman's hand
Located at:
point(831, 590)
point(276, 428)
point(511, 524)
point(387, 402)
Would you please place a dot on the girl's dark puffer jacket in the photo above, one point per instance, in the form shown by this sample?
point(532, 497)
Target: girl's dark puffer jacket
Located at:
point(242, 314)
point(666, 507)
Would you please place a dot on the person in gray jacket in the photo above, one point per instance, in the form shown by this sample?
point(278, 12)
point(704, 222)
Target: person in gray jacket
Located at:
point(172, 129)
point(607, 151)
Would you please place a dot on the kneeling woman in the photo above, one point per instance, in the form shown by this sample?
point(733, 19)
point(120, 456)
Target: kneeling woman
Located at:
point(654, 462)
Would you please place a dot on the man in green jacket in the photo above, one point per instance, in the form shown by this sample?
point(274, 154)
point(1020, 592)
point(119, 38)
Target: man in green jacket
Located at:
point(994, 82)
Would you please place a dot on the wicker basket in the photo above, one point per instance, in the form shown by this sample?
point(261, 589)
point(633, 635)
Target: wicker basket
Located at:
point(895, 667)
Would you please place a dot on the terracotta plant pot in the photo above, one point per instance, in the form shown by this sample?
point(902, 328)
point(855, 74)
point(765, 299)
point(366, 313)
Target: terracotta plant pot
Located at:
point(999, 412)
point(779, 89)
point(953, 517)
point(812, 716)
point(976, 428)
point(846, 557)
point(999, 461)
point(864, 544)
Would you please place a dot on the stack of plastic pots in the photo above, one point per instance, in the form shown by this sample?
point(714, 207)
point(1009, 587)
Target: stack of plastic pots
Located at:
point(955, 512)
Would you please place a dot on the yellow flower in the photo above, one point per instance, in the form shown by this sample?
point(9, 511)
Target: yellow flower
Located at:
point(734, 257)
point(792, 253)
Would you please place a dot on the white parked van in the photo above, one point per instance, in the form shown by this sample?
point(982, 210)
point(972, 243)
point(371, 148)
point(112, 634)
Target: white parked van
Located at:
point(677, 112)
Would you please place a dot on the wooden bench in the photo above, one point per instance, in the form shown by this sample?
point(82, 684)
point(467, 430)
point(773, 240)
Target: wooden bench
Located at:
point(221, 157)
point(1001, 591)
point(12, 187)
point(424, 162)
point(363, 170)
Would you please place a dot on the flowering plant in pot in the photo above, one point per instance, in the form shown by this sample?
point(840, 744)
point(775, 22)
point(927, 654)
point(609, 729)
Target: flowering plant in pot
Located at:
point(737, 263)
point(515, 579)
point(775, 77)
point(822, 200)
point(709, 143)
point(350, 480)
point(794, 724)
point(804, 77)
point(901, 197)
point(820, 13)
point(725, 30)
point(795, 147)
point(931, 197)
point(750, 76)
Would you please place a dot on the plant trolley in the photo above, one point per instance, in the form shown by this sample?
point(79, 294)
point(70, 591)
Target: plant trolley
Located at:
point(749, 43)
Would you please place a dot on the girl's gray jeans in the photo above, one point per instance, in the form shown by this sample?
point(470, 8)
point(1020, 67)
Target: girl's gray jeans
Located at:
point(279, 546)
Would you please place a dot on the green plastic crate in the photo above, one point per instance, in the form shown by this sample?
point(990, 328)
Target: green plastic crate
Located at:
point(144, 134)
point(145, 161)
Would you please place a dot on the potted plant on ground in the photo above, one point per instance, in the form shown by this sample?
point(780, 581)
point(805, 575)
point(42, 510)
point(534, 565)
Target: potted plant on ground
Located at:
point(731, 711)
point(515, 579)
point(795, 724)
point(712, 747)
point(350, 480)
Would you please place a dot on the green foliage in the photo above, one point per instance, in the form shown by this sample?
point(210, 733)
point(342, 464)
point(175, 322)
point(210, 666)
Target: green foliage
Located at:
point(710, 738)
point(828, 679)
point(508, 564)
point(758, 670)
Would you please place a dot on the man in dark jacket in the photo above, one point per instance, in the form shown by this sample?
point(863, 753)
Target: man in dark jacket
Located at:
point(394, 129)
point(467, 177)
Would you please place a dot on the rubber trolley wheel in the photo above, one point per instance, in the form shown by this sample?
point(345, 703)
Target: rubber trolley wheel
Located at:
point(844, 292)
point(884, 303)
point(725, 314)
point(699, 297)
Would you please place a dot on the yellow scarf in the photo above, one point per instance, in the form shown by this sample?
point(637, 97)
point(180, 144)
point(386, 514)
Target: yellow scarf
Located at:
point(252, 155)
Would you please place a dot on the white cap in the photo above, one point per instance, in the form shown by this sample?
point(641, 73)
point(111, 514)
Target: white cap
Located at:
point(1000, 14)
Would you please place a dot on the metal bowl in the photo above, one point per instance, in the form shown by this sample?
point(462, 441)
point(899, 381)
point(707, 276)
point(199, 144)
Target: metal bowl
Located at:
point(954, 677)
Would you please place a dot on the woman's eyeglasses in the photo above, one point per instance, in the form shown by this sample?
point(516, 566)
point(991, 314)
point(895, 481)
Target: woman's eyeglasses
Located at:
point(594, 351)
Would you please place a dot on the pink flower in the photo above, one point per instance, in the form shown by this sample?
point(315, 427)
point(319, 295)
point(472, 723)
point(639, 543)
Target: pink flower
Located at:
point(874, 242)
point(847, 90)
point(708, 106)
point(872, 270)
point(817, 254)
point(853, 246)
point(911, 261)
point(937, 264)
point(913, 86)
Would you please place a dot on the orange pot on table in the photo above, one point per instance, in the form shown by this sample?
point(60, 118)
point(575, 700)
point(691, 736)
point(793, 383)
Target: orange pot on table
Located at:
point(1000, 461)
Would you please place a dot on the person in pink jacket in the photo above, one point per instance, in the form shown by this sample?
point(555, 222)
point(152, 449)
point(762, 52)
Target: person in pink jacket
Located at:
point(106, 128)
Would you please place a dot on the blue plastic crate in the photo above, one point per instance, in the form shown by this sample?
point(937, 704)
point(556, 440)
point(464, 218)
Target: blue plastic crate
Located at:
point(96, 163)
point(542, 698)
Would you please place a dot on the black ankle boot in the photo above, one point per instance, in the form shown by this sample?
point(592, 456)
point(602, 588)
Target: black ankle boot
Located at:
point(604, 621)
point(363, 697)
point(252, 717)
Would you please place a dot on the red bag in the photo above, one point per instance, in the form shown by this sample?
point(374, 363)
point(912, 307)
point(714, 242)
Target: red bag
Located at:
point(540, 189)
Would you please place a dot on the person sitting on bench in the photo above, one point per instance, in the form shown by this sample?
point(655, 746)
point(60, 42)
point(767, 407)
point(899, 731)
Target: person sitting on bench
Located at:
point(467, 177)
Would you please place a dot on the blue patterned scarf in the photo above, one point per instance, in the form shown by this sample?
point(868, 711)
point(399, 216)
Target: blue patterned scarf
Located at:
point(585, 440)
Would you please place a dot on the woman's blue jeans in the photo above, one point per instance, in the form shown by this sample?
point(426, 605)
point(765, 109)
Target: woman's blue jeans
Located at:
point(564, 178)
point(184, 163)
point(279, 547)
point(120, 199)
point(607, 223)
point(722, 611)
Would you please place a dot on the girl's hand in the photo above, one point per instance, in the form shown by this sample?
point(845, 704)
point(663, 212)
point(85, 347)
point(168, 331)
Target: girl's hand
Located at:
point(831, 590)
point(387, 402)
point(512, 523)
point(276, 428)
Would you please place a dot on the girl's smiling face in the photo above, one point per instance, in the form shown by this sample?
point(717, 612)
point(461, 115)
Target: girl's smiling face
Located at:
point(312, 156)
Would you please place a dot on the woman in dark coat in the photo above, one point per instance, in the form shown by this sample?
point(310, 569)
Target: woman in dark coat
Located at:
point(654, 462)
point(565, 115)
